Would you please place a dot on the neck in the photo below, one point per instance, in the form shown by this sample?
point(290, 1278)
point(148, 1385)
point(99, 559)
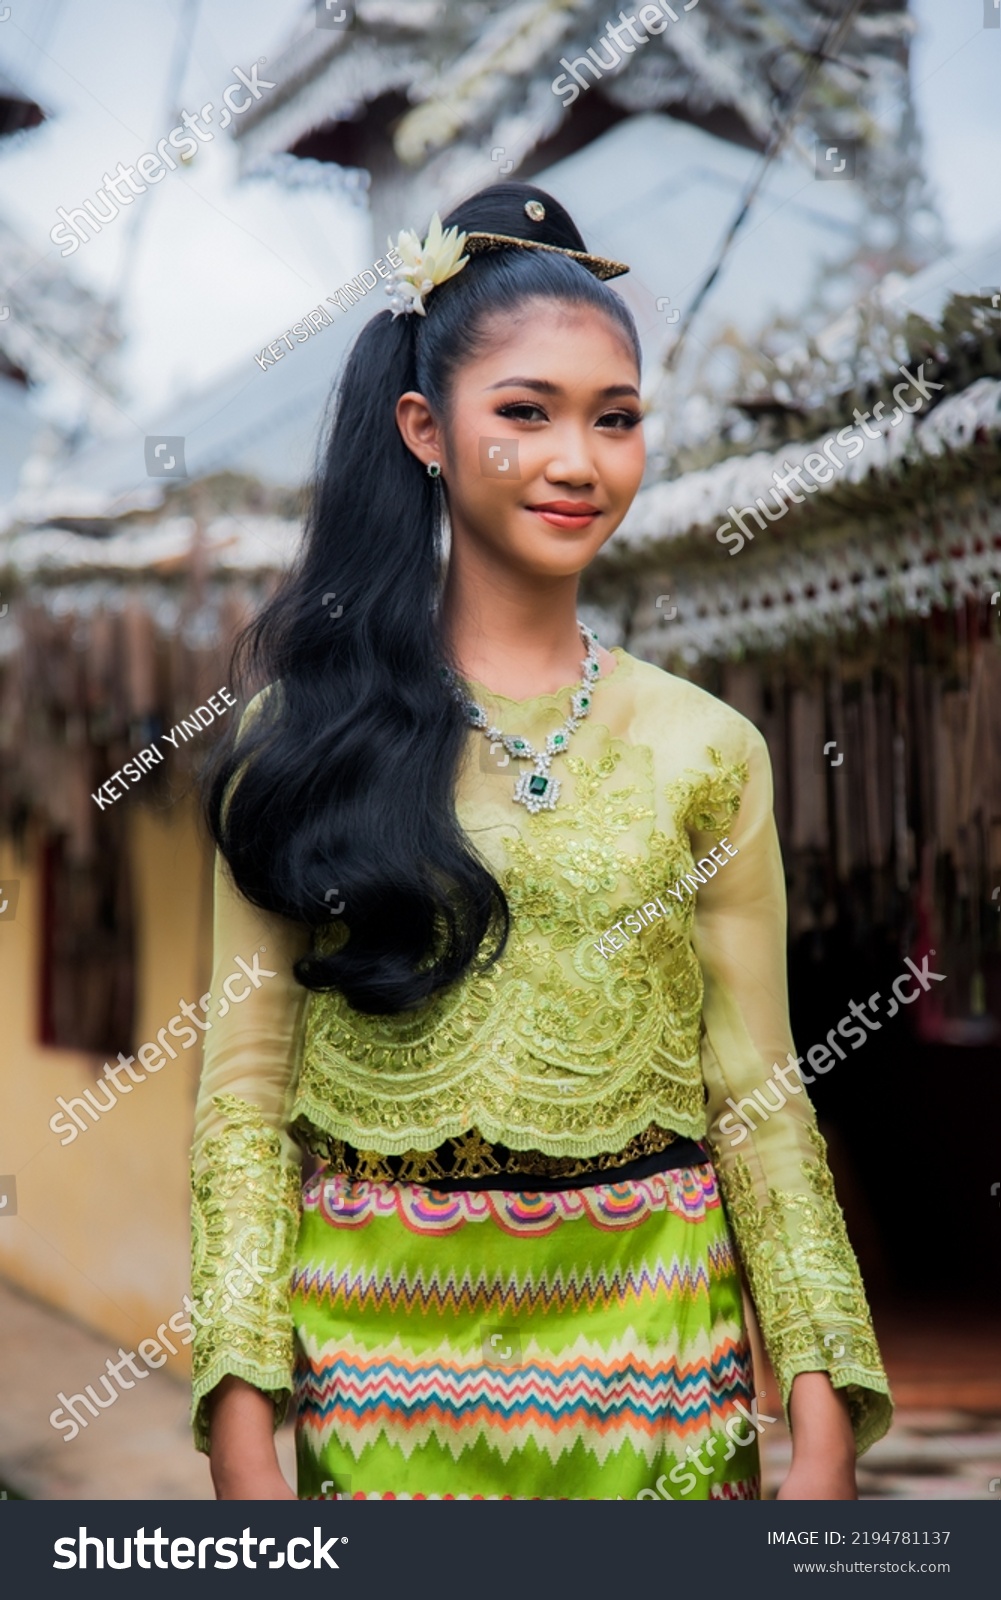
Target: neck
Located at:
point(518, 640)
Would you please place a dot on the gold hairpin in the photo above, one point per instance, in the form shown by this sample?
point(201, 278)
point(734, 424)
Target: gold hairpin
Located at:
point(601, 266)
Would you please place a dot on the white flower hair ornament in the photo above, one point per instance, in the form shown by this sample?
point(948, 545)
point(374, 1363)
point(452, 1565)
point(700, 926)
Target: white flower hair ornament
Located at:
point(424, 266)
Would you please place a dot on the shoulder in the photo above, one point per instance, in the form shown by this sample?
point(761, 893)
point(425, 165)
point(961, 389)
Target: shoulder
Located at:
point(675, 712)
point(711, 760)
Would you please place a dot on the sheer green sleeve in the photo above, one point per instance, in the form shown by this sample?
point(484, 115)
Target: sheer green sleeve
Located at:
point(245, 1173)
point(769, 1155)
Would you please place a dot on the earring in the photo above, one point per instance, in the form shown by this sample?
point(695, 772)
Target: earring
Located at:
point(434, 469)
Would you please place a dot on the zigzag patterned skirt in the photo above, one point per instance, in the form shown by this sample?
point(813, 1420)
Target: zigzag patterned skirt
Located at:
point(581, 1344)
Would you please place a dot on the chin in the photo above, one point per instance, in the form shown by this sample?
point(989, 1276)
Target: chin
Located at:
point(558, 563)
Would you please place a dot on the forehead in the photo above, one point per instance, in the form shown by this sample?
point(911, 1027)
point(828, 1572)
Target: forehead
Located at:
point(548, 338)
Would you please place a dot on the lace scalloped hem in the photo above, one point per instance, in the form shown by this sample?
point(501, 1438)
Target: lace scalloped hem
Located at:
point(413, 1141)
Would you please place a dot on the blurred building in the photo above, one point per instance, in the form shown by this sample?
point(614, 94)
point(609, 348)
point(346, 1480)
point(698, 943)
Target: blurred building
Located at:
point(415, 105)
point(423, 101)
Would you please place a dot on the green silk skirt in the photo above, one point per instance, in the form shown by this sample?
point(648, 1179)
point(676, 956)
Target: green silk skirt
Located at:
point(578, 1344)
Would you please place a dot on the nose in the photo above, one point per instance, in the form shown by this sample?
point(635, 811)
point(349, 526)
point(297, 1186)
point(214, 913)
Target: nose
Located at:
point(571, 461)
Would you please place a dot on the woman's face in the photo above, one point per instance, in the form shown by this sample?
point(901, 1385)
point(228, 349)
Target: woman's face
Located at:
point(541, 450)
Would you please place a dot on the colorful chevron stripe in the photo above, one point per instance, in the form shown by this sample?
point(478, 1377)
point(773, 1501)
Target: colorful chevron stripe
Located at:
point(496, 1345)
point(506, 1296)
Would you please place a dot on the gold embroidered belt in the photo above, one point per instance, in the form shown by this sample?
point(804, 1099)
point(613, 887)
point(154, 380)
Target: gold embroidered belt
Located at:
point(472, 1158)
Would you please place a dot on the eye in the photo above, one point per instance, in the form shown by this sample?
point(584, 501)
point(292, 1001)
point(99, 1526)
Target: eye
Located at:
point(620, 420)
point(522, 411)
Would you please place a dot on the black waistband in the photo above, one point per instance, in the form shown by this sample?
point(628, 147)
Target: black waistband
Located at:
point(682, 1153)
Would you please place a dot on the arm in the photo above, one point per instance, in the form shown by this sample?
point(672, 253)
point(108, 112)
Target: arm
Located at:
point(823, 1442)
point(245, 1195)
point(242, 1457)
point(771, 1158)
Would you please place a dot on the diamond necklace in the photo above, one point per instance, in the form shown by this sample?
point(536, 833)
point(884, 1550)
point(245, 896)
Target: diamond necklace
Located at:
point(539, 790)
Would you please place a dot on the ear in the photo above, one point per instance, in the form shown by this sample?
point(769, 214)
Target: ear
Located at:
point(418, 429)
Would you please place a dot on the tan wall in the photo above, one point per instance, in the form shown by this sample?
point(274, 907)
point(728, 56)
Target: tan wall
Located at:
point(101, 1230)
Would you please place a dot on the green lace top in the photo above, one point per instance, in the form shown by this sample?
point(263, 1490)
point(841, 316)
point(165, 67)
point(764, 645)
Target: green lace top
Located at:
point(574, 1042)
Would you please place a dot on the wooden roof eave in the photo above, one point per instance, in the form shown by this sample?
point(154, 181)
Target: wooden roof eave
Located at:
point(678, 519)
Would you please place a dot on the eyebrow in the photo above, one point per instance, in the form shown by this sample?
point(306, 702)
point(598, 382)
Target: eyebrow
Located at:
point(542, 387)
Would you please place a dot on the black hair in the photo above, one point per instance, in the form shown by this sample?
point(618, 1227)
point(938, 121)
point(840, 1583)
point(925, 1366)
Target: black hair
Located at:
point(338, 795)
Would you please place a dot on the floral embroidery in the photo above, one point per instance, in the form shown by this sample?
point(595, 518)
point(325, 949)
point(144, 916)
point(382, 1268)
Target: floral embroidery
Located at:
point(246, 1204)
point(710, 802)
point(806, 1287)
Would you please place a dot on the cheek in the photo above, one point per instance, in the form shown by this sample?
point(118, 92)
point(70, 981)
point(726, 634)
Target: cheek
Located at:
point(626, 466)
point(487, 465)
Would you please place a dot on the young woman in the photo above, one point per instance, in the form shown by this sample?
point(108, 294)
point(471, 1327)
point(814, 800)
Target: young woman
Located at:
point(512, 911)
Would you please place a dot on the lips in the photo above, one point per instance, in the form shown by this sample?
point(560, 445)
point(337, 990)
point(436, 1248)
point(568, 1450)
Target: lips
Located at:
point(567, 513)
